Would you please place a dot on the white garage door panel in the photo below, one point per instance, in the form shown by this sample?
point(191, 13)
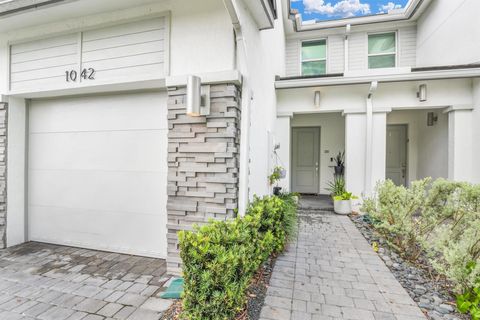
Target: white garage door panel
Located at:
point(99, 150)
point(98, 172)
point(99, 113)
point(97, 190)
point(97, 230)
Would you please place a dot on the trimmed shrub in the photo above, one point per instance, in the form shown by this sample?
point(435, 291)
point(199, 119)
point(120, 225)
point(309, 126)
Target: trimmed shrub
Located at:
point(221, 258)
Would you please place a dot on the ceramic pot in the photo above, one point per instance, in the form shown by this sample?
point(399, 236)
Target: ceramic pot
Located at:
point(342, 206)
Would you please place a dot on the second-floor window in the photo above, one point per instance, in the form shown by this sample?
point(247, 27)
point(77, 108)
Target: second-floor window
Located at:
point(382, 50)
point(314, 57)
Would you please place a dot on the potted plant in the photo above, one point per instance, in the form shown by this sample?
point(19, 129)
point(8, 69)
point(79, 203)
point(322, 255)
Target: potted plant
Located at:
point(342, 204)
point(277, 174)
point(337, 186)
point(339, 164)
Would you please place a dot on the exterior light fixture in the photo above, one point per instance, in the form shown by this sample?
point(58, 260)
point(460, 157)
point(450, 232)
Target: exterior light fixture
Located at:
point(422, 93)
point(432, 118)
point(198, 97)
point(316, 99)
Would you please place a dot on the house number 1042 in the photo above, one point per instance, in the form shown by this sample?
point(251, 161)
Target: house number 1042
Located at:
point(86, 74)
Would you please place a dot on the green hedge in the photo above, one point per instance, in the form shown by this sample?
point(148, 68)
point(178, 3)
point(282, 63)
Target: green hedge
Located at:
point(220, 258)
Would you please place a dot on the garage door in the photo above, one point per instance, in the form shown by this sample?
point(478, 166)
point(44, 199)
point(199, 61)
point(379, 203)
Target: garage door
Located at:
point(98, 172)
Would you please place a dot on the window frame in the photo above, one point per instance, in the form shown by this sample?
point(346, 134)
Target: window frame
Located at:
point(313, 60)
point(395, 33)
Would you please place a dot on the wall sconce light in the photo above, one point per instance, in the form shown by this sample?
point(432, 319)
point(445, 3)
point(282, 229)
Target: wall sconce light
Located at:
point(432, 118)
point(316, 99)
point(198, 97)
point(422, 93)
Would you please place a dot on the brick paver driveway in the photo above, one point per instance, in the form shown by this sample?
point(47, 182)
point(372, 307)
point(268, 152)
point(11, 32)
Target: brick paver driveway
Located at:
point(49, 282)
point(331, 272)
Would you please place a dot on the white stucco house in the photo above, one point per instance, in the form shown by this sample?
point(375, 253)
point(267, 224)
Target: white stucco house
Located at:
point(97, 149)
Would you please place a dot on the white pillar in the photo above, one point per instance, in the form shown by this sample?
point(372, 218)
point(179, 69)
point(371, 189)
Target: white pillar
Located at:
point(379, 148)
point(476, 130)
point(16, 173)
point(282, 136)
point(460, 143)
point(355, 137)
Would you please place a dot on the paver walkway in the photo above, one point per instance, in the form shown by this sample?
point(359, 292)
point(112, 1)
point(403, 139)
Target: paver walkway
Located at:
point(48, 282)
point(331, 272)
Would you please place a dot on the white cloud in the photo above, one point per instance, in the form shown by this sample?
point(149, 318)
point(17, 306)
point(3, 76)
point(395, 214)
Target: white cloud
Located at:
point(343, 8)
point(389, 6)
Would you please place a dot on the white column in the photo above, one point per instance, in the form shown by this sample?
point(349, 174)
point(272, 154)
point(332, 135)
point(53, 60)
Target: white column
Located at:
point(379, 148)
point(282, 136)
point(476, 130)
point(355, 138)
point(460, 143)
point(16, 173)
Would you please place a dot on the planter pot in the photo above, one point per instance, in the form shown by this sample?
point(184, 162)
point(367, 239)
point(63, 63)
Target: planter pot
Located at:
point(277, 190)
point(342, 206)
point(283, 173)
point(339, 170)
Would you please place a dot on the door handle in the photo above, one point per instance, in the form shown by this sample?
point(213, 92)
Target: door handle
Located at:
point(403, 172)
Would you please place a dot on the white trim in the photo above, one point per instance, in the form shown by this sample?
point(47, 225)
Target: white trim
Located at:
point(397, 77)
point(158, 84)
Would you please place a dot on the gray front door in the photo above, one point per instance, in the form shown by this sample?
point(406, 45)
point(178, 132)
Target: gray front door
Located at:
point(305, 159)
point(397, 154)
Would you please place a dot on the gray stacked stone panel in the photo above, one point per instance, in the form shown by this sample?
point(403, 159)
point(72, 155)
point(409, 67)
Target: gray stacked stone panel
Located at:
point(3, 173)
point(203, 163)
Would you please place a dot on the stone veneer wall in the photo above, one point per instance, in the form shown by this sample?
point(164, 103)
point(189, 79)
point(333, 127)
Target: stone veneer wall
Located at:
point(203, 163)
point(3, 173)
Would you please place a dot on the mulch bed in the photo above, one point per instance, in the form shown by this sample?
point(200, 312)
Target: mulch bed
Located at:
point(256, 293)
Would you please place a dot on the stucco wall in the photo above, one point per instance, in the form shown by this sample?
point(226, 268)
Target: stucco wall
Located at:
point(448, 33)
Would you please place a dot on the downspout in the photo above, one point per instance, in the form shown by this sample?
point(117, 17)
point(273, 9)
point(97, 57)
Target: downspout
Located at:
point(369, 140)
point(346, 47)
point(243, 183)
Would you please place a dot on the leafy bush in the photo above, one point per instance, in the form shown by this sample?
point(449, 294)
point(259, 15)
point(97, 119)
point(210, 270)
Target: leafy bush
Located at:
point(220, 258)
point(394, 210)
point(469, 300)
point(441, 219)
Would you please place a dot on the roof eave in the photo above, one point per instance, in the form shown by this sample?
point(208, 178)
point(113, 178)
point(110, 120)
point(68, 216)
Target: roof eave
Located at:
point(420, 74)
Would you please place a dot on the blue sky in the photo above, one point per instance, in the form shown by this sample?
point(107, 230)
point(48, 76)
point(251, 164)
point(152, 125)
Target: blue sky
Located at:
point(336, 9)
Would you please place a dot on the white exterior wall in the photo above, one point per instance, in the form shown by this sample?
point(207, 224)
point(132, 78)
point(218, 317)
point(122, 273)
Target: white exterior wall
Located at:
point(460, 144)
point(260, 58)
point(448, 33)
point(357, 49)
point(201, 41)
point(201, 36)
point(16, 173)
